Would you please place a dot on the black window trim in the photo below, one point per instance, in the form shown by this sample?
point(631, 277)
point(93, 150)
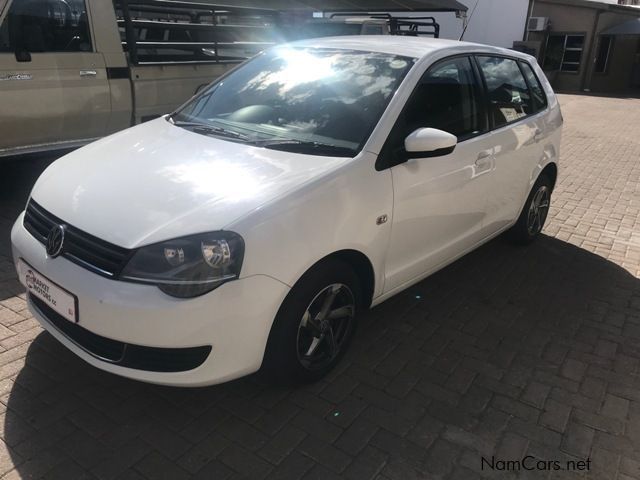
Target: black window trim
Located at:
point(489, 120)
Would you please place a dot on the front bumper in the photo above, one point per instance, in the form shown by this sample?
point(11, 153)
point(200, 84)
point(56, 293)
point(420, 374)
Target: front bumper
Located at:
point(235, 319)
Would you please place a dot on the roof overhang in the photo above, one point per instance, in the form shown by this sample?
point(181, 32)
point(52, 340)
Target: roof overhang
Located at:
point(357, 5)
point(632, 27)
point(596, 5)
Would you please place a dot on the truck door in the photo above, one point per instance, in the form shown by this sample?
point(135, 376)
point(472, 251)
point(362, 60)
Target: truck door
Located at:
point(53, 85)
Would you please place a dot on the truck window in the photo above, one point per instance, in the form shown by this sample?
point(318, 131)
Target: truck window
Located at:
point(46, 26)
point(317, 29)
point(372, 29)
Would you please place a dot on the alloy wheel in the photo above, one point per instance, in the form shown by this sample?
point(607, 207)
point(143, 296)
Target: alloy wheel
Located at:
point(538, 210)
point(325, 325)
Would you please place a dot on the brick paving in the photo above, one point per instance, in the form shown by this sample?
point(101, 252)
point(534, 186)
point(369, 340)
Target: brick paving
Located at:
point(506, 353)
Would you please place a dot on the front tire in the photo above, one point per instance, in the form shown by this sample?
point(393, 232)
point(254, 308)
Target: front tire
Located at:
point(534, 214)
point(314, 325)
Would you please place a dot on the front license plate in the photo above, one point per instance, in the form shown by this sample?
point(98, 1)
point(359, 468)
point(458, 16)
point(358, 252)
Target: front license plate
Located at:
point(53, 295)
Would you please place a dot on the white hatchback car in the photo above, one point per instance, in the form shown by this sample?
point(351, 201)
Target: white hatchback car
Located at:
point(250, 228)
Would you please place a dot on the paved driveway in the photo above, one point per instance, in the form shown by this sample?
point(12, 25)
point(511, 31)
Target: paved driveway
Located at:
point(509, 352)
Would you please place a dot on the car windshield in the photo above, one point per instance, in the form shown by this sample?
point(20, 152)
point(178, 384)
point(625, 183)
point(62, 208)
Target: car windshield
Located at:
point(316, 101)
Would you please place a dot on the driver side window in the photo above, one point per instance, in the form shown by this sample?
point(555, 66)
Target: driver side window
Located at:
point(448, 98)
point(39, 26)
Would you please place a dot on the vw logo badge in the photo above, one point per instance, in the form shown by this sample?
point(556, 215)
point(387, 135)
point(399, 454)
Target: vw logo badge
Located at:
point(55, 241)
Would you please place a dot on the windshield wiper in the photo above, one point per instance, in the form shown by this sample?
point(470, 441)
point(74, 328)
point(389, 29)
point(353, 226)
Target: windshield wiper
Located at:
point(207, 129)
point(307, 146)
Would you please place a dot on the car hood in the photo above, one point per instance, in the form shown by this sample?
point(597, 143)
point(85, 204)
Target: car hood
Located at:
point(157, 181)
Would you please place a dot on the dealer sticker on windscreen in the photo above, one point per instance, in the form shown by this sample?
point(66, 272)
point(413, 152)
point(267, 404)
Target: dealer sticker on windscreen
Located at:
point(41, 287)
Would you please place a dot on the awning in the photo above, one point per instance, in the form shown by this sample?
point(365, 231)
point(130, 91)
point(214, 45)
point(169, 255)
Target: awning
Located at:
point(356, 5)
point(632, 27)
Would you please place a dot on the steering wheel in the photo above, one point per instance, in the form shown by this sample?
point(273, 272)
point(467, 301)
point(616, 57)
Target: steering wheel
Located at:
point(66, 10)
point(66, 13)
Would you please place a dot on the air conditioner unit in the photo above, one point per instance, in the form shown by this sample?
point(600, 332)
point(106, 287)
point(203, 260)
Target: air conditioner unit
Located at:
point(537, 24)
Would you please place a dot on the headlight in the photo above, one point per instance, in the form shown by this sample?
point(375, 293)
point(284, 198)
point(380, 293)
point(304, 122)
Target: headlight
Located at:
point(190, 266)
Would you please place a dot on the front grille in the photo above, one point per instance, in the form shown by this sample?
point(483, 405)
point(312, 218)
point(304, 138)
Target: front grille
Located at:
point(151, 359)
point(88, 251)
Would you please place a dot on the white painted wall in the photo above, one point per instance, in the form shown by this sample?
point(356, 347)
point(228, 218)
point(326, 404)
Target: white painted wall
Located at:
point(494, 22)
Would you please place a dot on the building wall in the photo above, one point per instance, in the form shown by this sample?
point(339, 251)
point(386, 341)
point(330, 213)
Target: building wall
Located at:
point(494, 22)
point(623, 57)
point(487, 25)
point(590, 21)
point(617, 78)
point(567, 19)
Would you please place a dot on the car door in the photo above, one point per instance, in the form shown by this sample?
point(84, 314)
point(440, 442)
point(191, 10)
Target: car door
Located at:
point(440, 202)
point(54, 87)
point(517, 133)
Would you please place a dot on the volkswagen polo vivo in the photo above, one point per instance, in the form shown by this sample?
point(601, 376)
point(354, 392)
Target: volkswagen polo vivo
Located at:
point(250, 228)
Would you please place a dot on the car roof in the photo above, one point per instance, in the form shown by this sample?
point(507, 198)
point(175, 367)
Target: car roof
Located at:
point(416, 47)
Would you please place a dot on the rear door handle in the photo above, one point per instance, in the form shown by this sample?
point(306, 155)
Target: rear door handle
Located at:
point(537, 136)
point(88, 73)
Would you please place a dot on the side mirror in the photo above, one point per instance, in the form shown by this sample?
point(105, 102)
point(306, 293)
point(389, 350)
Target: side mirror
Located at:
point(429, 142)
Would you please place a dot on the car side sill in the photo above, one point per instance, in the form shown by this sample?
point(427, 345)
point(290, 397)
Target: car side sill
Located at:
point(387, 295)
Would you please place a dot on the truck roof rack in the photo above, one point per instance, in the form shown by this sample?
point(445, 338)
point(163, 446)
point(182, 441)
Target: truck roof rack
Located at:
point(193, 5)
point(408, 26)
point(160, 32)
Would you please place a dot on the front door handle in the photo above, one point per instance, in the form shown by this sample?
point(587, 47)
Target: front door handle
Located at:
point(88, 73)
point(484, 158)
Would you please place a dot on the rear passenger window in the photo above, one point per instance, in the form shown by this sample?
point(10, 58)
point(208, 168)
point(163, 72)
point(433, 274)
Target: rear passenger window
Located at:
point(537, 92)
point(509, 96)
point(448, 98)
point(45, 26)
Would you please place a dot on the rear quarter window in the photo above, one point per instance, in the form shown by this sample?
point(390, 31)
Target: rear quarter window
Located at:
point(537, 92)
point(509, 96)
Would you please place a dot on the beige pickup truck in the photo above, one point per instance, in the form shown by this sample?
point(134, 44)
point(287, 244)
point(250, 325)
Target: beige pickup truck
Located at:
point(72, 71)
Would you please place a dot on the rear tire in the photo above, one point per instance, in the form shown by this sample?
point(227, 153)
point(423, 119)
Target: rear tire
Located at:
point(534, 214)
point(314, 325)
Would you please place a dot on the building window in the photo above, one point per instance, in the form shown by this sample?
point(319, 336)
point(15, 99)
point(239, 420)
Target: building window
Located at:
point(564, 52)
point(604, 50)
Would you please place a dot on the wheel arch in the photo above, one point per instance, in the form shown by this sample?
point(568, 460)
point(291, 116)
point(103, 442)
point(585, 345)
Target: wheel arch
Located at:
point(272, 367)
point(361, 265)
point(551, 171)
